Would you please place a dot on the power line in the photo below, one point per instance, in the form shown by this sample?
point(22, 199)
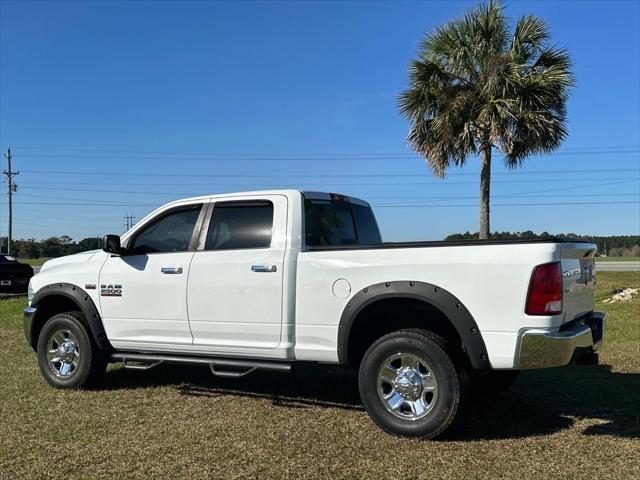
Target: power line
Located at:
point(521, 195)
point(514, 195)
point(66, 225)
point(374, 205)
point(101, 204)
point(339, 175)
point(300, 184)
point(306, 175)
point(208, 182)
point(57, 197)
point(308, 159)
point(612, 150)
point(508, 205)
point(576, 187)
point(298, 154)
point(437, 198)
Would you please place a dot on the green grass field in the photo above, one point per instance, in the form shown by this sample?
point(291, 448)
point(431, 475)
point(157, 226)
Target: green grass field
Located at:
point(574, 422)
point(34, 262)
point(617, 259)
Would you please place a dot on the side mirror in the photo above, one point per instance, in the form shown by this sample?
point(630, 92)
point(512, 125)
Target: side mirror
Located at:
point(111, 244)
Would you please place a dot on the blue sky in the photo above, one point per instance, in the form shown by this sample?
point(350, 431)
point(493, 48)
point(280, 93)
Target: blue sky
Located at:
point(164, 100)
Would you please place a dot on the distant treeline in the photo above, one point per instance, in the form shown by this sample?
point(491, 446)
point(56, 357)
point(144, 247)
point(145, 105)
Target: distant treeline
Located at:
point(51, 247)
point(613, 246)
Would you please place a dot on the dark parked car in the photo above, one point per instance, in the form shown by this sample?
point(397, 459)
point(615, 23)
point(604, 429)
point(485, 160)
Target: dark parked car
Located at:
point(14, 276)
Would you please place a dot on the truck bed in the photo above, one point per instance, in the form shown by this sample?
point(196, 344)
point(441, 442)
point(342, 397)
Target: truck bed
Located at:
point(490, 278)
point(442, 243)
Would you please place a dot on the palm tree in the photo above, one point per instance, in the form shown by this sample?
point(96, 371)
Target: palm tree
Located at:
point(476, 86)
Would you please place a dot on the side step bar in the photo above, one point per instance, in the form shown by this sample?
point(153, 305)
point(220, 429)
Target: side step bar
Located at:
point(220, 367)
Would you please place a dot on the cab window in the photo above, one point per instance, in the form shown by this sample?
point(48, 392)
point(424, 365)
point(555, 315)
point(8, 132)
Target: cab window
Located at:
point(339, 223)
point(240, 224)
point(171, 232)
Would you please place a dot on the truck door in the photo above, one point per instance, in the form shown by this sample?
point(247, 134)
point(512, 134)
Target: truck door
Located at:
point(234, 294)
point(143, 293)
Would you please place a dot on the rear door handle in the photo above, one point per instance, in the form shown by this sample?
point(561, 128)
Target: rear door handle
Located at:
point(264, 268)
point(171, 270)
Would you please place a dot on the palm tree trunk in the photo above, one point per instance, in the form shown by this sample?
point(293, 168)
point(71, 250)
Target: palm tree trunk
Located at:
point(485, 192)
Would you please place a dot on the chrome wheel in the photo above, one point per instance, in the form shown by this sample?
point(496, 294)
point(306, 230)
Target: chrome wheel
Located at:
point(407, 386)
point(63, 354)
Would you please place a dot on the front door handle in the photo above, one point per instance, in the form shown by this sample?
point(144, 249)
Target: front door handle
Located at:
point(171, 270)
point(264, 268)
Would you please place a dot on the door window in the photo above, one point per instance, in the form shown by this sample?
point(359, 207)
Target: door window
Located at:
point(172, 232)
point(236, 225)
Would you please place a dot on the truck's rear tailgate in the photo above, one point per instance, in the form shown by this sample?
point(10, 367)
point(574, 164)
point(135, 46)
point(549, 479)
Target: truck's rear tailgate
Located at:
point(578, 279)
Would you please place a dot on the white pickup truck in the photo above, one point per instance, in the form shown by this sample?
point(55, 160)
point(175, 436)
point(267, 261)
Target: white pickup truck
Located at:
point(261, 280)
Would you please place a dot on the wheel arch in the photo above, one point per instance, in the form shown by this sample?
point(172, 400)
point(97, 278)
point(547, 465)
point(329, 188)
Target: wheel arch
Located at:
point(61, 297)
point(433, 296)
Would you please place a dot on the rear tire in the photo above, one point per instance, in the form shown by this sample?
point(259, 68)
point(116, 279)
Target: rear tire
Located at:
point(409, 384)
point(67, 355)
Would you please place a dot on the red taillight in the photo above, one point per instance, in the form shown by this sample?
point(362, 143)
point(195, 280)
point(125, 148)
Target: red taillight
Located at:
point(545, 290)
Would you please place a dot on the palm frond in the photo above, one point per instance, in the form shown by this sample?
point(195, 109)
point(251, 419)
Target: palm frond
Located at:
point(475, 85)
point(529, 37)
point(492, 27)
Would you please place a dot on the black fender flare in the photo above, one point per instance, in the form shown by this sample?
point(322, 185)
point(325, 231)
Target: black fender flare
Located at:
point(438, 297)
point(85, 304)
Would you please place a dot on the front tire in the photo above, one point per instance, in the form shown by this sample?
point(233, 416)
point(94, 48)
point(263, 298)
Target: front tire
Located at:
point(409, 384)
point(67, 356)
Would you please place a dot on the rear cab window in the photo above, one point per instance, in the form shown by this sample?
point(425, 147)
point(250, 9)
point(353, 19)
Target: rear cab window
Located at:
point(335, 220)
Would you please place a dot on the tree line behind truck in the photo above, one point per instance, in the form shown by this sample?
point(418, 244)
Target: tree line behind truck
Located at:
point(51, 247)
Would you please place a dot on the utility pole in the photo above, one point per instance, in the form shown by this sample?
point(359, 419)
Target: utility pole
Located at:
point(12, 189)
point(128, 222)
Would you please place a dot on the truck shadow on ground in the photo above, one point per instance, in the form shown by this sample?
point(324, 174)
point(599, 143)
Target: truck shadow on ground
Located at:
point(540, 403)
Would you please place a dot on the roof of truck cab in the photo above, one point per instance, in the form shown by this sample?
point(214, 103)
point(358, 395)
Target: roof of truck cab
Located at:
point(234, 194)
point(287, 192)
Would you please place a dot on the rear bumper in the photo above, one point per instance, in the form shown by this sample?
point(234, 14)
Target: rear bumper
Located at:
point(545, 349)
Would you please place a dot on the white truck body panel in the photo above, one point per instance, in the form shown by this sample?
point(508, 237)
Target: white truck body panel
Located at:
point(219, 306)
point(247, 305)
point(152, 311)
point(490, 280)
point(153, 307)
